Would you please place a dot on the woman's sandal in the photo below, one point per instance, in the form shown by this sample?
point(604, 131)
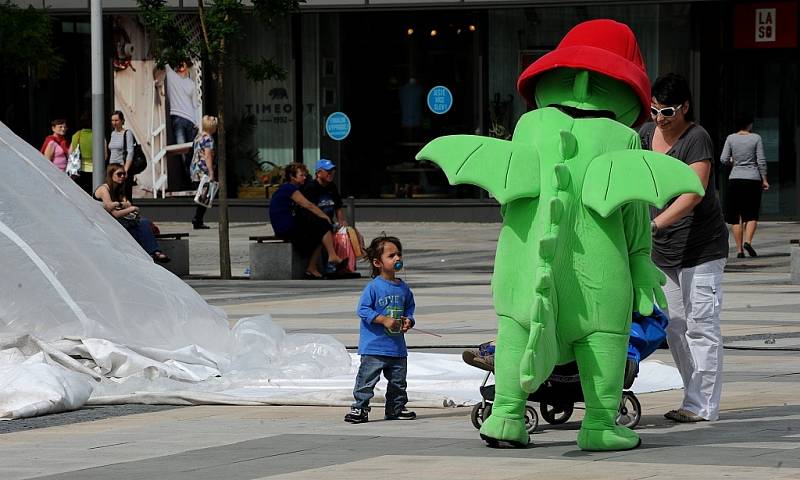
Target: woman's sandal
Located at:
point(160, 257)
point(311, 276)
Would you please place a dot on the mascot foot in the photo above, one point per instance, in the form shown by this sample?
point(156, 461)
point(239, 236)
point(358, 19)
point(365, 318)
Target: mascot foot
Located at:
point(505, 432)
point(616, 438)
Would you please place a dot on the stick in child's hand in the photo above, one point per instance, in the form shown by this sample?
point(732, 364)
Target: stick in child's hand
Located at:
point(415, 329)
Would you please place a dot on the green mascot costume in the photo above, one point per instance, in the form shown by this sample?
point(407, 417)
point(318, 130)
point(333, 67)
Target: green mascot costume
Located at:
point(573, 257)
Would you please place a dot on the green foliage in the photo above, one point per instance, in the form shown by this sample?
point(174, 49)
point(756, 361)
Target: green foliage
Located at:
point(171, 43)
point(222, 24)
point(261, 69)
point(270, 10)
point(26, 39)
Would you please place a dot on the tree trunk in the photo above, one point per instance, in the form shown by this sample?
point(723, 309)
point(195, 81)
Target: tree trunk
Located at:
point(224, 243)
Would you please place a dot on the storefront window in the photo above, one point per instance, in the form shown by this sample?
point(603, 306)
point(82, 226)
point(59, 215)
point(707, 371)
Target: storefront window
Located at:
point(261, 116)
point(389, 63)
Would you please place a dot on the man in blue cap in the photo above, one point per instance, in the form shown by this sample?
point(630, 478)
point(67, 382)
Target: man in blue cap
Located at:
point(323, 193)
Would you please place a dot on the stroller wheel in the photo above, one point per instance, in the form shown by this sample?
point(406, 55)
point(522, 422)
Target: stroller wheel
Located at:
point(487, 411)
point(531, 419)
point(556, 414)
point(477, 415)
point(630, 410)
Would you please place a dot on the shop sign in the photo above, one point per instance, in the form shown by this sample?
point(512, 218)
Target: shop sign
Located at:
point(277, 109)
point(440, 100)
point(766, 25)
point(337, 126)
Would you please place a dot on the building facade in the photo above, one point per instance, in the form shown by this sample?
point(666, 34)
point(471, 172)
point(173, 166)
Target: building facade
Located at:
point(378, 60)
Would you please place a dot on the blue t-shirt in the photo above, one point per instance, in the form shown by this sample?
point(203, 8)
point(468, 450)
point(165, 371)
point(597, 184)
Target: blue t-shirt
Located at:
point(382, 297)
point(281, 209)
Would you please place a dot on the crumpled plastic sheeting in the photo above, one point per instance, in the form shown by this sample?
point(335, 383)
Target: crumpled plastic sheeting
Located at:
point(44, 377)
point(35, 380)
point(70, 269)
point(273, 369)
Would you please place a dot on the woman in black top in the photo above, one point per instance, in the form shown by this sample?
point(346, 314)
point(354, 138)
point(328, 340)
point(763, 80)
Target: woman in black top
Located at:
point(690, 245)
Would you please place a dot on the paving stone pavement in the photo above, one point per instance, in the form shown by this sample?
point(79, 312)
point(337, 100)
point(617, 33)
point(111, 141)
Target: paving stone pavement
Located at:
point(449, 267)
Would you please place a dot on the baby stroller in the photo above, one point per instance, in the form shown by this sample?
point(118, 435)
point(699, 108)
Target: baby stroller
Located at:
point(557, 396)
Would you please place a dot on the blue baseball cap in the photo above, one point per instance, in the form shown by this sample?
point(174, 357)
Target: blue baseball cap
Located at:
point(325, 164)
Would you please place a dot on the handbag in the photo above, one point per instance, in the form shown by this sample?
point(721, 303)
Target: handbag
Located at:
point(74, 160)
point(130, 220)
point(206, 190)
point(139, 160)
point(344, 248)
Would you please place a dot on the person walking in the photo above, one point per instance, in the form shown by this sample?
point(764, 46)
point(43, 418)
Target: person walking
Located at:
point(744, 151)
point(203, 163)
point(690, 245)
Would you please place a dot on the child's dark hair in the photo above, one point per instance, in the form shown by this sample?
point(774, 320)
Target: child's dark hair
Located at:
point(375, 250)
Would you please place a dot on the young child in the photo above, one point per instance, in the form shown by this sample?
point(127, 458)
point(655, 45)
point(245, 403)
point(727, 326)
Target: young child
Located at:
point(386, 309)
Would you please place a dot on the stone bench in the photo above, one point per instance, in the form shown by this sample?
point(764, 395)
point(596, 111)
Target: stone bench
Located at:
point(274, 259)
point(176, 247)
point(794, 266)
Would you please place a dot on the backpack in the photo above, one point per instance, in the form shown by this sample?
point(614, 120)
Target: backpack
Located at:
point(139, 161)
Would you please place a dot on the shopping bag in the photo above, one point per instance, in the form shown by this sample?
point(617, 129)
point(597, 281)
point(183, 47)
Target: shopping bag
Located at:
point(357, 241)
point(344, 249)
point(74, 161)
point(206, 190)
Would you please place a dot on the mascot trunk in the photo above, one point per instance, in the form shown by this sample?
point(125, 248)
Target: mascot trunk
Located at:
point(573, 257)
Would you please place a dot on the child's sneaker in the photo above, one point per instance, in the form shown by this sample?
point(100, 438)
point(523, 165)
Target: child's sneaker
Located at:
point(402, 415)
point(357, 415)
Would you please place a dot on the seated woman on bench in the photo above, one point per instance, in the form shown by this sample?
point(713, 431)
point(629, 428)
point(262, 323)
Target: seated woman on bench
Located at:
point(112, 194)
point(305, 232)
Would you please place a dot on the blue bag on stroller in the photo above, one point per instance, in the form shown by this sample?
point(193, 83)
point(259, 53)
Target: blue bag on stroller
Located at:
point(647, 334)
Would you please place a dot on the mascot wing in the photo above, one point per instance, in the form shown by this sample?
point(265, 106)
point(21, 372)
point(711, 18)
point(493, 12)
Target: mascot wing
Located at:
point(616, 178)
point(507, 170)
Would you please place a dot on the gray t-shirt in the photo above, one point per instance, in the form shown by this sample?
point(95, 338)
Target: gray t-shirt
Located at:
point(701, 236)
point(116, 144)
point(746, 153)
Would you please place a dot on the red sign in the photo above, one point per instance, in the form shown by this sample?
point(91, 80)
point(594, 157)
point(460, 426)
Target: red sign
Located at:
point(765, 25)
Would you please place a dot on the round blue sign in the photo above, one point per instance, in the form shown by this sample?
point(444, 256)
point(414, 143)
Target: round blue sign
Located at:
point(440, 100)
point(337, 126)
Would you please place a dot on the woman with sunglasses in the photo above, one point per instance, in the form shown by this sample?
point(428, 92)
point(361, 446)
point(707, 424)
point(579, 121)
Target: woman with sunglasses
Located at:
point(690, 245)
point(744, 150)
point(112, 194)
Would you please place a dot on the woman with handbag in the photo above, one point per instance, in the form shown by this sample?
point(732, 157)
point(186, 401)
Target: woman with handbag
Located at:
point(117, 204)
point(120, 148)
point(203, 163)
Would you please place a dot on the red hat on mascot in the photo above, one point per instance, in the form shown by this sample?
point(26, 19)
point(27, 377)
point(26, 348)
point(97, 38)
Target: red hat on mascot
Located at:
point(602, 46)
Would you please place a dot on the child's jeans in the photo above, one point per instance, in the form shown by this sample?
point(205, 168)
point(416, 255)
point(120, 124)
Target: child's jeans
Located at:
point(394, 369)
